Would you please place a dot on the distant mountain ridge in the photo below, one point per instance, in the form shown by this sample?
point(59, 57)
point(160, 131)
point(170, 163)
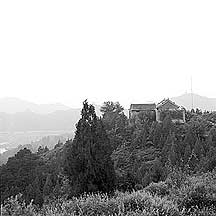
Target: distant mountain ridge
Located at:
point(13, 105)
point(200, 102)
point(31, 121)
point(20, 115)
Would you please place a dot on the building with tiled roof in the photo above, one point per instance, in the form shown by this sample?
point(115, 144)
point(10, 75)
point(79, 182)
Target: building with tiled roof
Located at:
point(161, 109)
point(137, 108)
point(143, 107)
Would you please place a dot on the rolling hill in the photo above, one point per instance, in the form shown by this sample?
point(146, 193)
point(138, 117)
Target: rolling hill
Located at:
point(200, 102)
point(12, 105)
point(20, 115)
point(30, 121)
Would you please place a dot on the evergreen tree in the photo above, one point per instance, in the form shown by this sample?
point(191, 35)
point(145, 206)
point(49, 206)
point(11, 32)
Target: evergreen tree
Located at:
point(113, 116)
point(190, 137)
point(47, 189)
point(198, 149)
point(38, 195)
point(157, 173)
point(18, 173)
point(173, 155)
point(140, 137)
point(88, 163)
point(29, 193)
point(167, 146)
point(167, 125)
point(59, 144)
point(210, 159)
point(42, 150)
point(187, 154)
point(166, 130)
point(155, 134)
point(212, 138)
point(46, 149)
point(57, 189)
point(115, 123)
point(193, 161)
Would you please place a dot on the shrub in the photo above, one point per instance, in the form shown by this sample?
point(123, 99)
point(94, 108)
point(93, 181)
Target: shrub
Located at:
point(135, 203)
point(141, 201)
point(176, 178)
point(16, 206)
point(197, 192)
point(196, 197)
point(160, 189)
point(202, 212)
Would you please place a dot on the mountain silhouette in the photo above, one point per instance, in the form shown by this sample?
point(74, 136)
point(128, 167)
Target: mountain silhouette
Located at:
point(201, 102)
point(12, 105)
point(20, 115)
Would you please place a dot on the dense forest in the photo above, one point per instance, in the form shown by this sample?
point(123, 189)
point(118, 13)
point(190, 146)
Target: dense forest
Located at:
point(118, 166)
point(46, 141)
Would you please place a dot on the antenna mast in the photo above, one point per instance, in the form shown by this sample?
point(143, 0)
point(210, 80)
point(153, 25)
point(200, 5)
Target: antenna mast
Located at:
point(192, 100)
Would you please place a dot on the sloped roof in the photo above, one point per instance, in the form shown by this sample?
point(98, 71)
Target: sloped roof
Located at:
point(143, 107)
point(164, 101)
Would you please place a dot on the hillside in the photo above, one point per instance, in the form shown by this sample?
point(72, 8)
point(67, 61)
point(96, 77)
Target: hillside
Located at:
point(200, 102)
point(21, 115)
point(30, 121)
point(159, 169)
point(13, 105)
point(47, 141)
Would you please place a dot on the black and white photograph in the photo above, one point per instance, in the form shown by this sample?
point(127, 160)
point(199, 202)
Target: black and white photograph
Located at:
point(107, 108)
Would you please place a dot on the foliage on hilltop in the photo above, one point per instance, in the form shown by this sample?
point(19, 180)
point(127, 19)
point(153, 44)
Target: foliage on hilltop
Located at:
point(156, 167)
point(180, 195)
point(88, 163)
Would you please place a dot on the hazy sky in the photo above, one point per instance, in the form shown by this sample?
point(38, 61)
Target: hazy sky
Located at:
point(127, 51)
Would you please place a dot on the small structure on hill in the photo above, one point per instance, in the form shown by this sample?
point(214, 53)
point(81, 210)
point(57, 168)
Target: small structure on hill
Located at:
point(135, 109)
point(161, 110)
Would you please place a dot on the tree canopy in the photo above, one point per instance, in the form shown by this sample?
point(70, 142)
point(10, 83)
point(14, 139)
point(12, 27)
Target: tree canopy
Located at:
point(87, 162)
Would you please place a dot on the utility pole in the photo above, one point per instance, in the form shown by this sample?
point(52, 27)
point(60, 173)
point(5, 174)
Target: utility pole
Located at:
point(192, 100)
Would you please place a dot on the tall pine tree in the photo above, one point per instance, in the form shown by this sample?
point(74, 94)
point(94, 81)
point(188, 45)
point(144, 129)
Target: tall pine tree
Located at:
point(88, 163)
point(47, 188)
